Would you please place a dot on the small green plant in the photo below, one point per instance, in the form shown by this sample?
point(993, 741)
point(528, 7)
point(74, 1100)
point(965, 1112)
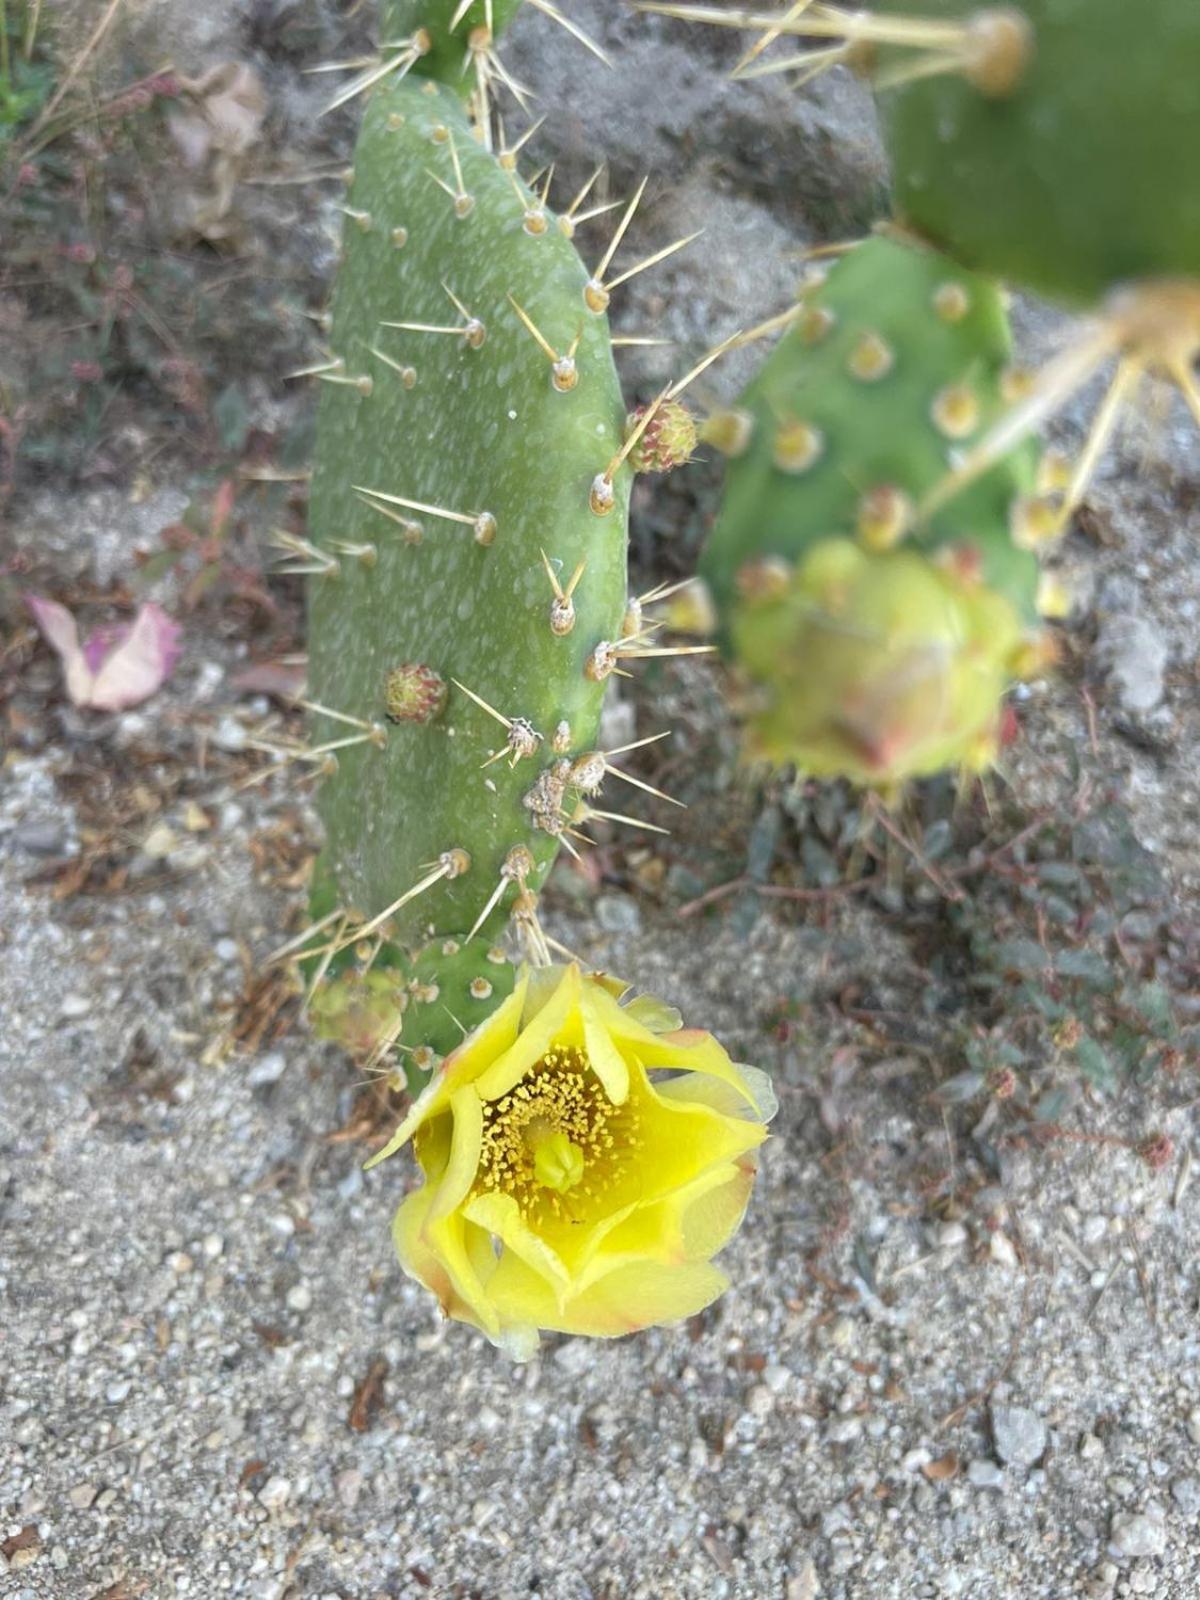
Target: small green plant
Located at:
point(26, 76)
point(1069, 966)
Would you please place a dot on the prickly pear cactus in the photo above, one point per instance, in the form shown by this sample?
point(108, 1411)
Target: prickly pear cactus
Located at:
point(475, 549)
point(880, 641)
point(1076, 175)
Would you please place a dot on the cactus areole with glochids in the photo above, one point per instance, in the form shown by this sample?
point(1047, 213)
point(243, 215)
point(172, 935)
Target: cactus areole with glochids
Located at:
point(879, 641)
point(1081, 173)
point(448, 441)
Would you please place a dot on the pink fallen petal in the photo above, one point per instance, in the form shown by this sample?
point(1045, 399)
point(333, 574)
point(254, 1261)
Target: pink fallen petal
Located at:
point(101, 643)
point(58, 628)
point(117, 666)
point(140, 663)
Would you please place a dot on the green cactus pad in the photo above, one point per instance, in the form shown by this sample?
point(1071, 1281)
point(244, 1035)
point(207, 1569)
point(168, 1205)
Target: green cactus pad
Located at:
point(442, 993)
point(1085, 175)
point(867, 381)
point(475, 424)
point(880, 644)
point(446, 59)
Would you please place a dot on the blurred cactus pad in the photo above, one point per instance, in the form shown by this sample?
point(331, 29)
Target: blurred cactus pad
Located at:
point(879, 641)
point(1071, 167)
point(470, 407)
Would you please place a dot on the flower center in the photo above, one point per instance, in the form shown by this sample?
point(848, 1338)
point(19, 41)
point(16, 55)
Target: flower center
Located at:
point(557, 1163)
point(555, 1134)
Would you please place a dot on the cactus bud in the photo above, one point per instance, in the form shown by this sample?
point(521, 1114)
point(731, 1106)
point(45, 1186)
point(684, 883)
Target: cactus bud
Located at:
point(414, 692)
point(668, 439)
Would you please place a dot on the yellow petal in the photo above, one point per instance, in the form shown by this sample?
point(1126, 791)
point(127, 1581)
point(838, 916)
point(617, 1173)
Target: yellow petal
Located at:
point(714, 1214)
point(693, 1050)
point(465, 1143)
point(501, 1216)
point(691, 1224)
point(427, 1263)
point(720, 1095)
point(632, 1297)
point(642, 1295)
point(654, 1014)
point(446, 1238)
point(522, 1297)
point(415, 1256)
point(680, 1141)
point(431, 1145)
point(605, 1060)
point(557, 1022)
point(473, 1056)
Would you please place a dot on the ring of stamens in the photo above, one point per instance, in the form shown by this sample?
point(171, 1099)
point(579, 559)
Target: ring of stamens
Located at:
point(555, 1142)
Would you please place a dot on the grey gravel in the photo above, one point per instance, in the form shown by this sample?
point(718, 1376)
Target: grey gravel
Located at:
point(1133, 651)
point(1139, 1534)
point(37, 838)
point(618, 913)
point(1020, 1435)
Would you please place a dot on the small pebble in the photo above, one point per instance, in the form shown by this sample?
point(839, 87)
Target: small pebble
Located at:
point(1020, 1435)
point(274, 1493)
point(229, 735)
point(299, 1298)
point(39, 838)
point(74, 1006)
point(760, 1402)
point(269, 1069)
point(845, 1431)
point(1139, 1533)
point(348, 1485)
point(82, 1495)
point(985, 1475)
point(1002, 1250)
point(1186, 1494)
point(804, 1583)
point(618, 913)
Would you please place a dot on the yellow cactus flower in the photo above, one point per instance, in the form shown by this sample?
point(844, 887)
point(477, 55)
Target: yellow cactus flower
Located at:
point(565, 1187)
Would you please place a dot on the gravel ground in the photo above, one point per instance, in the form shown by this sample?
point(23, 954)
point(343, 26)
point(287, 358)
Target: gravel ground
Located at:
point(930, 1379)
